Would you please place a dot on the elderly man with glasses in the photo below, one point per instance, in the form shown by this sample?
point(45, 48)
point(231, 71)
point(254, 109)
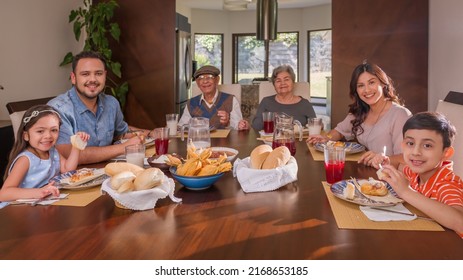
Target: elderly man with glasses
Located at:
point(222, 109)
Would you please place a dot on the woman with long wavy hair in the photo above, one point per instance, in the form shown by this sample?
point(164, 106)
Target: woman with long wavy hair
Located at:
point(375, 117)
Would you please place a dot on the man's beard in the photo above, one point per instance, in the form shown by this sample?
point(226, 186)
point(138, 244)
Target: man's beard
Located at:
point(82, 92)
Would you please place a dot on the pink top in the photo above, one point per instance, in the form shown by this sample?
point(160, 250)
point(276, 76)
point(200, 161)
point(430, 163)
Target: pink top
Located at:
point(386, 132)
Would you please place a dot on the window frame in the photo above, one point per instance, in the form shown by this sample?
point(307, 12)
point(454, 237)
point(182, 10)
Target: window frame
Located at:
point(235, 37)
point(221, 47)
point(308, 56)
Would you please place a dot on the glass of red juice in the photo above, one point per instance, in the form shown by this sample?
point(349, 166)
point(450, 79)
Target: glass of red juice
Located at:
point(269, 122)
point(335, 158)
point(161, 140)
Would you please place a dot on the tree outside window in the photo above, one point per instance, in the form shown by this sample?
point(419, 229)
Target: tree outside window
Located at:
point(249, 55)
point(319, 62)
point(209, 50)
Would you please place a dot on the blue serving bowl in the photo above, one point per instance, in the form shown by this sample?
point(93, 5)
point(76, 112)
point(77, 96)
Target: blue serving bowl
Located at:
point(195, 183)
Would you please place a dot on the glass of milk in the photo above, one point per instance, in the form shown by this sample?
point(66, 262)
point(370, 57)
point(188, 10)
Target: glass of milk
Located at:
point(171, 123)
point(315, 126)
point(135, 154)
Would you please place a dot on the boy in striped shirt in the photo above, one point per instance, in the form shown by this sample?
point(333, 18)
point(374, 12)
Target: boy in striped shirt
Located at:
point(428, 181)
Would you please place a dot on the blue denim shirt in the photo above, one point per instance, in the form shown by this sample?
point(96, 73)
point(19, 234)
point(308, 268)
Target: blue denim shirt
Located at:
point(75, 116)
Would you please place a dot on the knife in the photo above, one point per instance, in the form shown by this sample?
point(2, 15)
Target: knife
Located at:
point(41, 199)
point(399, 212)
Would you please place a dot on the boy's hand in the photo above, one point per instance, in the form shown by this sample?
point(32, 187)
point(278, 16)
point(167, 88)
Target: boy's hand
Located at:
point(396, 179)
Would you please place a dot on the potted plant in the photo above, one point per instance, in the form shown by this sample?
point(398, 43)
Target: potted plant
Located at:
point(96, 21)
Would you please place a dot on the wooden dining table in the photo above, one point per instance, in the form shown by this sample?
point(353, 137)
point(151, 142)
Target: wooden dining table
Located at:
point(222, 222)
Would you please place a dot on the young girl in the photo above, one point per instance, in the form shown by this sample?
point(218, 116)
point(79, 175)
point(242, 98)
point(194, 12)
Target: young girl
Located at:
point(34, 160)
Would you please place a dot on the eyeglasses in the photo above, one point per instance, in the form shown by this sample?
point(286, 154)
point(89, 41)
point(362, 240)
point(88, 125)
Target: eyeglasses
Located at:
point(203, 78)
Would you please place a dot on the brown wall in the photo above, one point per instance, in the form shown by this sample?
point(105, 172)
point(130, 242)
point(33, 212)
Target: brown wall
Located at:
point(390, 33)
point(146, 52)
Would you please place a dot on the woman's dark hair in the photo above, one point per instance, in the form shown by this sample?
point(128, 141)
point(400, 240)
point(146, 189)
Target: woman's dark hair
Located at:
point(432, 121)
point(31, 116)
point(359, 108)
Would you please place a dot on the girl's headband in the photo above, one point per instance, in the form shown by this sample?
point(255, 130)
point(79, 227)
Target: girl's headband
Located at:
point(36, 113)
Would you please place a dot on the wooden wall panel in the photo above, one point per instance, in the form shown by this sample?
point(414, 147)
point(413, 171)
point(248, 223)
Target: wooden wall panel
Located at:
point(147, 53)
point(390, 33)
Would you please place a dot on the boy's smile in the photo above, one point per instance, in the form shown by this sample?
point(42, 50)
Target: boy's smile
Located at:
point(423, 152)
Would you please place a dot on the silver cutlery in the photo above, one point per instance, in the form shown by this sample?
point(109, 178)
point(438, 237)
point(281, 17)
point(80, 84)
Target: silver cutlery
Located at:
point(399, 212)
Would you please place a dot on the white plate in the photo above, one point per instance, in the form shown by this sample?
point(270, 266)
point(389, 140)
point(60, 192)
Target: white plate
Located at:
point(351, 147)
point(226, 149)
point(366, 200)
point(91, 181)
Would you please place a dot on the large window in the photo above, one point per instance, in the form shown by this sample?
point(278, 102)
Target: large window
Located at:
point(319, 61)
point(209, 50)
point(249, 57)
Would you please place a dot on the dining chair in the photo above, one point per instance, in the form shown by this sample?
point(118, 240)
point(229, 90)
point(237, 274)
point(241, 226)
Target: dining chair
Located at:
point(18, 108)
point(453, 113)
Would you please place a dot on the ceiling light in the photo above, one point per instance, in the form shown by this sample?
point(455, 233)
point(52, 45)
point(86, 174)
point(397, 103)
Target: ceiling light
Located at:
point(267, 17)
point(236, 5)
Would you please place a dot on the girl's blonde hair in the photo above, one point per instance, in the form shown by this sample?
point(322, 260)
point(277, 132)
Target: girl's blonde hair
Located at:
point(31, 116)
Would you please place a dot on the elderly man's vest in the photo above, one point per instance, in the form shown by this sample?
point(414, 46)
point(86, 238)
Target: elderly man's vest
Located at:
point(197, 108)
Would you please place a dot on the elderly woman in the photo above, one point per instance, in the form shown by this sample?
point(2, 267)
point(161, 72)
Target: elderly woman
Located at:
point(299, 108)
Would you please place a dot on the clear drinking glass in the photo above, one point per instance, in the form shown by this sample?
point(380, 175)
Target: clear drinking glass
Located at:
point(171, 123)
point(335, 158)
point(135, 154)
point(161, 140)
point(315, 126)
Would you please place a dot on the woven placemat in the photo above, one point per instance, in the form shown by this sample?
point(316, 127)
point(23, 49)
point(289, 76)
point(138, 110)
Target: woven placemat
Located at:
point(318, 156)
point(349, 216)
point(218, 133)
point(80, 198)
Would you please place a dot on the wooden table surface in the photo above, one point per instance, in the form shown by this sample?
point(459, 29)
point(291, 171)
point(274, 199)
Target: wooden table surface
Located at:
point(222, 222)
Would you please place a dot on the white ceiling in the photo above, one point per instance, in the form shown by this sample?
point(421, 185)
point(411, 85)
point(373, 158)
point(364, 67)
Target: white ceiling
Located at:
point(282, 4)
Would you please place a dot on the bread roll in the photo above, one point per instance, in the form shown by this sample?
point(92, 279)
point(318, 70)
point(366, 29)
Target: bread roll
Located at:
point(114, 168)
point(372, 187)
point(349, 191)
point(259, 154)
point(77, 142)
point(148, 178)
point(119, 179)
point(127, 186)
point(278, 157)
point(380, 174)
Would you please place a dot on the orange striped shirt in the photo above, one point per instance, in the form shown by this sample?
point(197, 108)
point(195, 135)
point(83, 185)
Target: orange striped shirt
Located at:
point(444, 186)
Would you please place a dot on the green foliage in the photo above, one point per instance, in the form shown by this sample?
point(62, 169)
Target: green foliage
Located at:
point(96, 21)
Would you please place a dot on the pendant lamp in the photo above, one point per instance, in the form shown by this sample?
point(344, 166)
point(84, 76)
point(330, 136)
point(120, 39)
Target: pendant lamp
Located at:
point(267, 16)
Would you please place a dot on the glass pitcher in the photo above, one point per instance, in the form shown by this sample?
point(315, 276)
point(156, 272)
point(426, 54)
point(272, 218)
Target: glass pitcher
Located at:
point(198, 132)
point(287, 119)
point(283, 135)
